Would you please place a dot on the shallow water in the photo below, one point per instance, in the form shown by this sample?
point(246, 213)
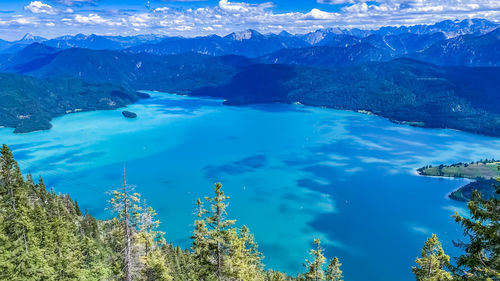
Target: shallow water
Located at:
point(294, 173)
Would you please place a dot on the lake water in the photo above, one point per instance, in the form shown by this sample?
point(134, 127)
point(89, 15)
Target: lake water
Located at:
point(294, 173)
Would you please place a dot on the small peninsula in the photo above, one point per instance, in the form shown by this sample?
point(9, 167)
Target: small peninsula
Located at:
point(484, 172)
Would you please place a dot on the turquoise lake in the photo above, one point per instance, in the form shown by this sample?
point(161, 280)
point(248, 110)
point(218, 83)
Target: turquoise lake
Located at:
point(294, 173)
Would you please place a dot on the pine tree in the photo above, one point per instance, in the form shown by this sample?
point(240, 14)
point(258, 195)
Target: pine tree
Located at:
point(481, 260)
point(148, 233)
point(210, 237)
point(201, 245)
point(155, 267)
point(68, 261)
point(126, 205)
point(16, 224)
point(244, 259)
point(431, 266)
point(218, 228)
point(333, 272)
point(315, 268)
point(275, 276)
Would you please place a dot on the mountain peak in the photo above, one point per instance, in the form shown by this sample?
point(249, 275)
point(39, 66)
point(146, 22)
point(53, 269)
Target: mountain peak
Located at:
point(28, 37)
point(243, 35)
point(285, 33)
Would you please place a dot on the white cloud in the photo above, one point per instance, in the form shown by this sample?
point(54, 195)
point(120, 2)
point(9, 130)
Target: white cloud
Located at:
point(19, 21)
point(316, 14)
point(358, 8)
point(37, 7)
point(227, 16)
point(95, 19)
point(335, 2)
point(242, 7)
point(161, 10)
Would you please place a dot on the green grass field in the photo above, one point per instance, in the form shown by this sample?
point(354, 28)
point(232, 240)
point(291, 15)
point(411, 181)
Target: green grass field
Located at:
point(484, 170)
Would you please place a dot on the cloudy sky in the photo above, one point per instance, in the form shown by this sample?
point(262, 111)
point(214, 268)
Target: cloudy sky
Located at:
point(51, 18)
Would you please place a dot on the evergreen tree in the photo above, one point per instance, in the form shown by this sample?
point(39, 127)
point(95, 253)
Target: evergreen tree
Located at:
point(431, 266)
point(221, 251)
point(212, 234)
point(126, 205)
point(275, 276)
point(333, 272)
point(148, 233)
point(244, 259)
point(315, 268)
point(155, 267)
point(67, 257)
point(481, 260)
point(16, 225)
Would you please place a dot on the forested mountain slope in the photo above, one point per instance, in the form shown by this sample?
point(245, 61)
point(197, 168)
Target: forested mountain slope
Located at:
point(29, 103)
point(403, 90)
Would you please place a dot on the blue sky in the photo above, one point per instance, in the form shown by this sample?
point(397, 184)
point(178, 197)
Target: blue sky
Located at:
point(51, 18)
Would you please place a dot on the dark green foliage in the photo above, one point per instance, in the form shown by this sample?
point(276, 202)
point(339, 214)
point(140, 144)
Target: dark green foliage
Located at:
point(403, 90)
point(28, 103)
point(407, 91)
point(433, 263)
point(315, 271)
point(485, 187)
point(481, 260)
point(221, 250)
point(333, 272)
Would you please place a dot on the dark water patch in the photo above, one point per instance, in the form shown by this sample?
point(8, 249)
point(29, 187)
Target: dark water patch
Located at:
point(290, 196)
point(54, 160)
point(260, 194)
point(314, 185)
point(22, 155)
point(323, 171)
point(17, 146)
point(244, 165)
point(285, 208)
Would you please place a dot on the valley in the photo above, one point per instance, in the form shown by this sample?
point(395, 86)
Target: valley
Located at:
point(119, 121)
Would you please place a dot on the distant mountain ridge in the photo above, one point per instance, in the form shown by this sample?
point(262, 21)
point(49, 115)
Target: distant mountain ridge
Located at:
point(415, 75)
point(403, 90)
point(467, 50)
point(251, 43)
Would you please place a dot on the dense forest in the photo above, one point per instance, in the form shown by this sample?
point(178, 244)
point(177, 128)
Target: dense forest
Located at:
point(45, 236)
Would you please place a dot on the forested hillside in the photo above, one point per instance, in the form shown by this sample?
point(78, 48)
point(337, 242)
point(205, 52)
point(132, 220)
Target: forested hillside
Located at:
point(29, 104)
point(403, 90)
point(45, 236)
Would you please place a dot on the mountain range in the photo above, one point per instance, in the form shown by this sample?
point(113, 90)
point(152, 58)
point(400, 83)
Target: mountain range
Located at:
point(392, 41)
point(441, 76)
